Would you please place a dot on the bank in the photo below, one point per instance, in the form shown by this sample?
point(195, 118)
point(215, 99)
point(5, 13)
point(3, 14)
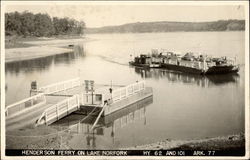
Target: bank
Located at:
point(45, 137)
point(32, 48)
point(232, 143)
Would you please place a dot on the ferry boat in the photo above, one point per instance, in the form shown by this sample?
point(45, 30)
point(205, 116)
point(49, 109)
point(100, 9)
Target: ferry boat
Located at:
point(146, 61)
point(189, 63)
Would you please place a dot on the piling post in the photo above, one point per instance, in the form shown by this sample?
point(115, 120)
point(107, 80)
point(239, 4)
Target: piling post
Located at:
point(78, 101)
point(45, 117)
point(92, 95)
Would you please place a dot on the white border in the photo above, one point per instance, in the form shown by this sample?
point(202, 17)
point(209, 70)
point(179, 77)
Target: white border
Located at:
point(193, 3)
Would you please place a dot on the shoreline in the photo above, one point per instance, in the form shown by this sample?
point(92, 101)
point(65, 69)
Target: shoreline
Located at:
point(37, 139)
point(229, 142)
point(21, 54)
point(42, 48)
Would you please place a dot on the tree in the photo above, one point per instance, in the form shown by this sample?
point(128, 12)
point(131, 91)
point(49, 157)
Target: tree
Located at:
point(13, 23)
point(43, 25)
point(27, 21)
point(29, 24)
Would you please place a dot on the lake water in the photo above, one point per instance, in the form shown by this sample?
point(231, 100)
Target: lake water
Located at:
point(183, 106)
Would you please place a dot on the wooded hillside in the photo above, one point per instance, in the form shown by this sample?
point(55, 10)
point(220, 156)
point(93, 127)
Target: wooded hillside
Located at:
point(165, 26)
point(29, 24)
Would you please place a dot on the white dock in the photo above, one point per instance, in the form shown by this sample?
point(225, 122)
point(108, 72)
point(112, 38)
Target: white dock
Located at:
point(58, 100)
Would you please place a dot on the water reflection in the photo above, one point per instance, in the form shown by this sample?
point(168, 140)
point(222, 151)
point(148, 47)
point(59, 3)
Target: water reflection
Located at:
point(107, 126)
point(44, 63)
point(199, 80)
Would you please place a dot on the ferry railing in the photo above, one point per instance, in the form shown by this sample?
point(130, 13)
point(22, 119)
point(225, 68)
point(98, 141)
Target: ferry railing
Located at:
point(24, 104)
point(59, 110)
point(60, 86)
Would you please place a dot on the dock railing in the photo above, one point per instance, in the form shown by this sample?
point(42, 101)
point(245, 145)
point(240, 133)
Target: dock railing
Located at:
point(117, 94)
point(60, 86)
point(59, 110)
point(17, 107)
point(124, 92)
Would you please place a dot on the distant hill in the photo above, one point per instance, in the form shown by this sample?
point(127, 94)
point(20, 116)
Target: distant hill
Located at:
point(167, 26)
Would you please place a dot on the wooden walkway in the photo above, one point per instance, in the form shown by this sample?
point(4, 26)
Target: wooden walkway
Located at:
point(58, 100)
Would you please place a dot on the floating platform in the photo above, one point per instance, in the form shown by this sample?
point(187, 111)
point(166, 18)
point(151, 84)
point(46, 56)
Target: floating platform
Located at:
point(118, 119)
point(58, 100)
point(117, 105)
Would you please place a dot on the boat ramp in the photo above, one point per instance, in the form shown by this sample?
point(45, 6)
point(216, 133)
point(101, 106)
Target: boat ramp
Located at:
point(53, 102)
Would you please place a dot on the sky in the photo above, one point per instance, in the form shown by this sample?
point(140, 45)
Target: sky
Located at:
point(106, 14)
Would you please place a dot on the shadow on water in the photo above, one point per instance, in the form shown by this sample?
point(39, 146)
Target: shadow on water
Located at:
point(107, 125)
point(193, 79)
point(44, 63)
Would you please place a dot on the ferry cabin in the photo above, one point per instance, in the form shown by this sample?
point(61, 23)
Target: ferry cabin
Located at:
point(143, 59)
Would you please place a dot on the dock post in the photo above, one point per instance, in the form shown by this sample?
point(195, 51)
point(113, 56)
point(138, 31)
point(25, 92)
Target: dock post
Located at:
point(86, 89)
point(92, 95)
point(143, 74)
point(78, 101)
point(45, 117)
point(87, 97)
